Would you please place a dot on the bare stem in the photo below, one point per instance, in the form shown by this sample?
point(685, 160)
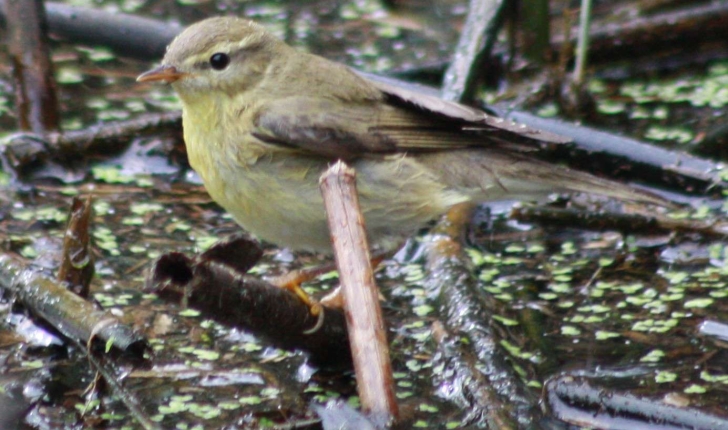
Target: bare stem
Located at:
point(367, 337)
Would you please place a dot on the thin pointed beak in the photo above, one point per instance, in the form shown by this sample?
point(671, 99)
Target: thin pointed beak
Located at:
point(167, 74)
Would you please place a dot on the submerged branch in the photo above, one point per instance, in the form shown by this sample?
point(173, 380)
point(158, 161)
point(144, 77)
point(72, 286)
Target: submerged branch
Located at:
point(495, 398)
point(616, 156)
point(628, 223)
point(576, 401)
point(65, 311)
point(21, 152)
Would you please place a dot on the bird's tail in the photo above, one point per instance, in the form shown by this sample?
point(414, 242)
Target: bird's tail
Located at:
point(496, 175)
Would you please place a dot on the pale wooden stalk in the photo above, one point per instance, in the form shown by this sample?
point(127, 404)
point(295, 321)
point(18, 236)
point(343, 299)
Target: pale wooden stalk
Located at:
point(367, 336)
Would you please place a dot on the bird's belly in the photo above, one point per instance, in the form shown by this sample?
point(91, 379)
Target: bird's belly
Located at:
point(277, 198)
point(272, 203)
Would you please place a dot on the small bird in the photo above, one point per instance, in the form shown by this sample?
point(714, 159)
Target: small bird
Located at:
point(262, 121)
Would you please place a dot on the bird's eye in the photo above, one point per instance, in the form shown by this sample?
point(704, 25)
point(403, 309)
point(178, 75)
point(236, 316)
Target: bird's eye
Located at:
point(219, 61)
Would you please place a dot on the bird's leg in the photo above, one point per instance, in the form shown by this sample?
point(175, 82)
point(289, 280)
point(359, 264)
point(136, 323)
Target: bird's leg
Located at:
point(455, 222)
point(292, 281)
point(335, 299)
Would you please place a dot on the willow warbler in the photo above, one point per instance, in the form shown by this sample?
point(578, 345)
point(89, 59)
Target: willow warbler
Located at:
point(262, 122)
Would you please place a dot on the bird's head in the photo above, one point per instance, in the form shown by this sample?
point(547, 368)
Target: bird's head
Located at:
point(218, 54)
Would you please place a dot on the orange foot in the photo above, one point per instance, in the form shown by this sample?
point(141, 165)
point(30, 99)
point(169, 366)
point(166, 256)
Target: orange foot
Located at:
point(292, 281)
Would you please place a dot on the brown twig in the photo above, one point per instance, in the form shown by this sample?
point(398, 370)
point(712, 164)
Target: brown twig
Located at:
point(114, 134)
point(35, 87)
point(368, 340)
point(77, 265)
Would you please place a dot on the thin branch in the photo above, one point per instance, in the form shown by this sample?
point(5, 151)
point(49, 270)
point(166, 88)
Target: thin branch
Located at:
point(476, 41)
point(35, 86)
point(369, 348)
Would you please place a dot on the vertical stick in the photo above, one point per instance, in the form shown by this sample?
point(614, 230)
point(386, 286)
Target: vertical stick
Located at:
point(582, 46)
point(35, 87)
point(367, 337)
point(476, 41)
point(77, 262)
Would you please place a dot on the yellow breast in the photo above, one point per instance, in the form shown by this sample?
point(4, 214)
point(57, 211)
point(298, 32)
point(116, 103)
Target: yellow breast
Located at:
point(273, 191)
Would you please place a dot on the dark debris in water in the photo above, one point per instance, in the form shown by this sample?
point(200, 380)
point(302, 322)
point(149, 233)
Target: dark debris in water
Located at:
point(216, 284)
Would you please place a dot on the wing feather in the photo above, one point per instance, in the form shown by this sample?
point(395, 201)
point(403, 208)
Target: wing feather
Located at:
point(402, 121)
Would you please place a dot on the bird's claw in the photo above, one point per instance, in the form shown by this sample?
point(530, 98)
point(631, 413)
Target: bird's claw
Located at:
point(318, 311)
